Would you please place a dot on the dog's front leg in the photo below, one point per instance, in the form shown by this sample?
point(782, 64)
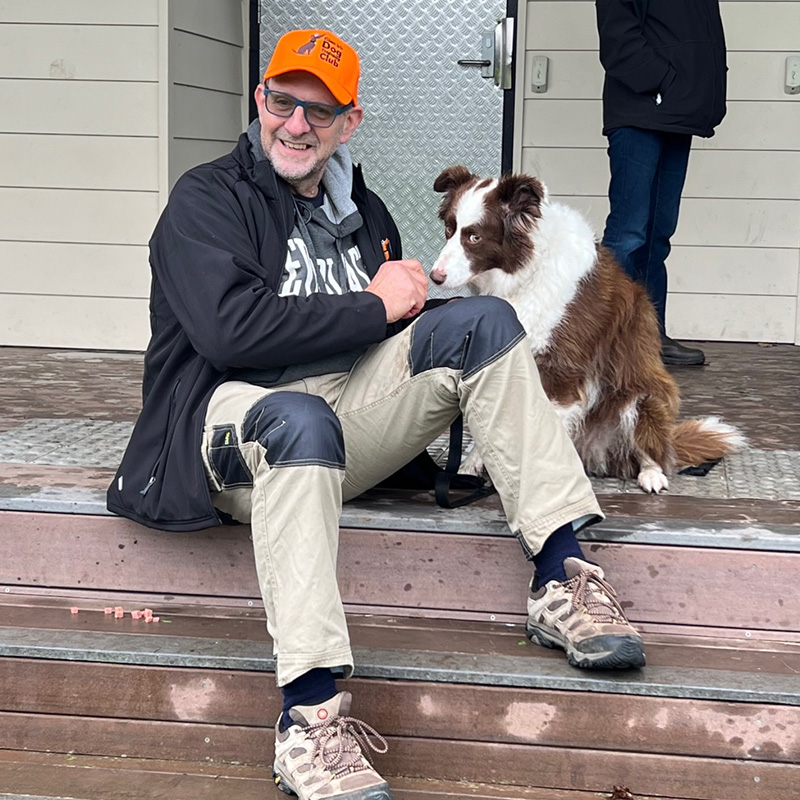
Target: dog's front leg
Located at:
point(651, 477)
point(473, 463)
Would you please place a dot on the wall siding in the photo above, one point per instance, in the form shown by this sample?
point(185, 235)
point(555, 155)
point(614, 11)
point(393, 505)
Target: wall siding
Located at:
point(79, 171)
point(207, 106)
point(735, 265)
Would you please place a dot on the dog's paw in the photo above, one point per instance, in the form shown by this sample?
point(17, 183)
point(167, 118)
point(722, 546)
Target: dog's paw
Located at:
point(653, 480)
point(473, 465)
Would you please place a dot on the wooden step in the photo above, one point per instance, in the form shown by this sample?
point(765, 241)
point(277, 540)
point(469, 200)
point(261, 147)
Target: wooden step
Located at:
point(480, 576)
point(39, 776)
point(458, 701)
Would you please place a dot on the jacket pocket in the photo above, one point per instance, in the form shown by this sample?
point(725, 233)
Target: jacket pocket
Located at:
point(227, 466)
point(170, 413)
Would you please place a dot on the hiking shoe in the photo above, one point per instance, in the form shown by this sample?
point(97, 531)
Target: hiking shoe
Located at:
point(321, 755)
point(582, 616)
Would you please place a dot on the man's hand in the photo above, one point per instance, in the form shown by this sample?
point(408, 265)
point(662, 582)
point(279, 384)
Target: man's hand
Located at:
point(403, 287)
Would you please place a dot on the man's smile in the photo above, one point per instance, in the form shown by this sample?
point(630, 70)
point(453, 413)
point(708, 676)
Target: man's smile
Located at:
point(300, 146)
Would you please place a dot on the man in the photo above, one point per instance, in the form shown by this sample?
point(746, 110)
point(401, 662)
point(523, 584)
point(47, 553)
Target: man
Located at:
point(665, 82)
point(290, 369)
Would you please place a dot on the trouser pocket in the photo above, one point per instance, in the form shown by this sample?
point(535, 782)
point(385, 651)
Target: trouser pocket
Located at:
point(225, 466)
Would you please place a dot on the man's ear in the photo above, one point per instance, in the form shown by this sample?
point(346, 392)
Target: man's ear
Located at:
point(352, 120)
point(452, 178)
point(259, 96)
point(521, 196)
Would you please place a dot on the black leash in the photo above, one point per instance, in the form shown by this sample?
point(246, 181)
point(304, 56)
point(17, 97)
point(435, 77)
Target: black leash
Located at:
point(450, 479)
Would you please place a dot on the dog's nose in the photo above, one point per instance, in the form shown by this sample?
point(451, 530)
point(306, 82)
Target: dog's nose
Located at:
point(438, 276)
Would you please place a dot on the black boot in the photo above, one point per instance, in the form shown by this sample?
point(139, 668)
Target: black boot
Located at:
point(674, 354)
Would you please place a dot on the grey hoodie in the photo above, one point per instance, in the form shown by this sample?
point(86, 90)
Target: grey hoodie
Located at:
point(321, 254)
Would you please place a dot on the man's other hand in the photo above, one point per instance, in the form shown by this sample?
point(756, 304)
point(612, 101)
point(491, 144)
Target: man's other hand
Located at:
point(403, 287)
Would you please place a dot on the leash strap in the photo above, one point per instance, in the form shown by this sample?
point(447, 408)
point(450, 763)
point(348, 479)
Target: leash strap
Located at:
point(449, 479)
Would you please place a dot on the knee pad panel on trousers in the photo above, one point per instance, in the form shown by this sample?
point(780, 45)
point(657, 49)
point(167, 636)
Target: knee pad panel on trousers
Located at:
point(296, 429)
point(466, 335)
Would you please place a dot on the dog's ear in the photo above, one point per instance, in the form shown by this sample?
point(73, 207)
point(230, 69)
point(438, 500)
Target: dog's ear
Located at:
point(521, 196)
point(452, 178)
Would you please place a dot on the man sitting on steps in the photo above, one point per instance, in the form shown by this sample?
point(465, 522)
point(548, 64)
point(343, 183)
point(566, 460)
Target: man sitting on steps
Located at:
point(294, 363)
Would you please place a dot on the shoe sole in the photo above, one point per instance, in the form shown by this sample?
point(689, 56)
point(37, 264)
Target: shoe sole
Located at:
point(381, 792)
point(674, 362)
point(627, 654)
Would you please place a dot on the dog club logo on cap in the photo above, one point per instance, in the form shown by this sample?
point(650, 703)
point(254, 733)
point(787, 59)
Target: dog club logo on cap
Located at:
point(322, 54)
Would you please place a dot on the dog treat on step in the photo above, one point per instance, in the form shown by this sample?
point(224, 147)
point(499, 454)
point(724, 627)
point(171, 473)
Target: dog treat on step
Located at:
point(136, 614)
point(119, 612)
point(151, 619)
point(147, 613)
point(73, 610)
point(108, 610)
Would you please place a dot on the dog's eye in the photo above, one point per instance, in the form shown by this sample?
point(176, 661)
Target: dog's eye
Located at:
point(474, 238)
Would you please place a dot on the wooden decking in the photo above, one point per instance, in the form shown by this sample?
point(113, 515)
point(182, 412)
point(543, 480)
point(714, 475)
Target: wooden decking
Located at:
point(95, 708)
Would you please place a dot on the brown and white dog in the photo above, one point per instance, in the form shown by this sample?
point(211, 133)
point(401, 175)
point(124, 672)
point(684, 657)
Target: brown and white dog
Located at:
point(591, 329)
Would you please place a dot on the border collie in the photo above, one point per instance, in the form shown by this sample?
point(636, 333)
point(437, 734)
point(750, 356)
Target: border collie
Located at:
point(591, 329)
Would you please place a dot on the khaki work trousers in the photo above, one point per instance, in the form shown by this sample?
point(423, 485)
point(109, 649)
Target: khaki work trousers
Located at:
point(388, 415)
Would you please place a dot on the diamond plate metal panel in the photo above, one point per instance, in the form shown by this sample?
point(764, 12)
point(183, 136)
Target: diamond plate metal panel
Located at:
point(66, 442)
point(423, 112)
point(764, 474)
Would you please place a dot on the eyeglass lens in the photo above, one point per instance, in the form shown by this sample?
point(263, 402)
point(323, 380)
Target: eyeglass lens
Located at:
point(283, 105)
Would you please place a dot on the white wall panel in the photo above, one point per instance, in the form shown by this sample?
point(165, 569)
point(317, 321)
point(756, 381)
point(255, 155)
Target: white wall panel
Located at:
point(733, 270)
point(95, 270)
point(712, 173)
point(578, 75)
point(79, 107)
point(79, 52)
point(214, 19)
point(73, 215)
point(79, 162)
point(92, 12)
point(738, 318)
point(74, 322)
point(197, 61)
point(732, 223)
point(203, 114)
point(578, 123)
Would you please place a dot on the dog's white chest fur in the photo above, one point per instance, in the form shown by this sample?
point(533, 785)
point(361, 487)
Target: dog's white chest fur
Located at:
point(564, 252)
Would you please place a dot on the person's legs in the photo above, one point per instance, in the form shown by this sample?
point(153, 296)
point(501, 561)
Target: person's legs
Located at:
point(471, 356)
point(275, 458)
point(467, 356)
point(664, 209)
point(633, 155)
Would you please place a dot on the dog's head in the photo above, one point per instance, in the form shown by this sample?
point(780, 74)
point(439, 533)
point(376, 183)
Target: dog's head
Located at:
point(487, 224)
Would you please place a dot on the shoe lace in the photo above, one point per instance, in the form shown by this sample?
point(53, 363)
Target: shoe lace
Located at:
point(597, 596)
point(342, 741)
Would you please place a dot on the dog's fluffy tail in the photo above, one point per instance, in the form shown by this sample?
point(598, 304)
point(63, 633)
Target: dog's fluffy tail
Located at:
point(707, 439)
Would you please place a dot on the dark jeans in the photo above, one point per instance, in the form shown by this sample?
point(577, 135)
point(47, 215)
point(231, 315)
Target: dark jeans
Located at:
point(648, 169)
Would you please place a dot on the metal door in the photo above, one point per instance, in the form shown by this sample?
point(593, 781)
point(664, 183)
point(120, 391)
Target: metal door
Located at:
point(423, 110)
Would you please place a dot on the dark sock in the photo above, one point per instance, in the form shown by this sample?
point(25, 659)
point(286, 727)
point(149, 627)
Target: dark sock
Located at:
point(549, 561)
point(312, 687)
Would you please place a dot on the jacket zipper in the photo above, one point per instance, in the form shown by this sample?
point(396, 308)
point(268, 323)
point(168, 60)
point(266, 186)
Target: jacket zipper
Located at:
point(152, 478)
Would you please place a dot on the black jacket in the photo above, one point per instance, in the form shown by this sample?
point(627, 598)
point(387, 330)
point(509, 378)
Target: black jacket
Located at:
point(677, 50)
point(217, 255)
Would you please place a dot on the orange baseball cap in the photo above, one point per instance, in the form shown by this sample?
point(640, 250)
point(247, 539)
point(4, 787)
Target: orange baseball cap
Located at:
point(324, 55)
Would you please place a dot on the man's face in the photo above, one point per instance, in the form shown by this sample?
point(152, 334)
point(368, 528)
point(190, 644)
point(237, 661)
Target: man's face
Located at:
point(298, 151)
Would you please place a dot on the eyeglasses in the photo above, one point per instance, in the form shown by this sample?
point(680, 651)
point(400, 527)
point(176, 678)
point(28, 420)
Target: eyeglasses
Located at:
point(318, 115)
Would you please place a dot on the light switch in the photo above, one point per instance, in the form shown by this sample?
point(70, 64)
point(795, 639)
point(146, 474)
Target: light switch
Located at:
point(539, 66)
point(792, 85)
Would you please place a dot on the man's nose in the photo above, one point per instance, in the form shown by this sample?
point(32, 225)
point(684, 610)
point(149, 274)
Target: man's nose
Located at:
point(297, 124)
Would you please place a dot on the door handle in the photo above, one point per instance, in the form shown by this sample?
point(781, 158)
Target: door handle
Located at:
point(497, 49)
